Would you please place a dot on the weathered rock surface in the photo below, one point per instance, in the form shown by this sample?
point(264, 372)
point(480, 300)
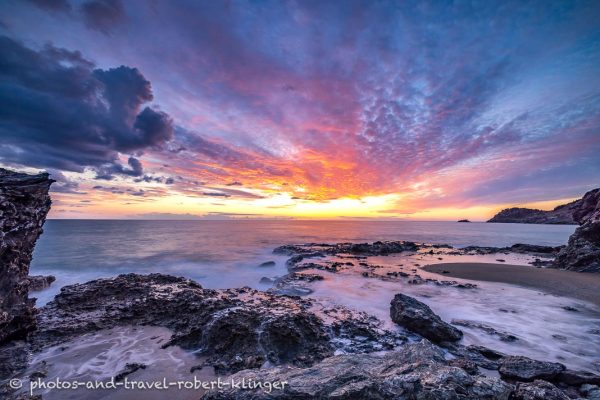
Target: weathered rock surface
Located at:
point(582, 252)
point(525, 369)
point(419, 318)
point(367, 249)
point(234, 328)
point(521, 248)
point(417, 371)
point(40, 282)
point(24, 203)
point(562, 215)
point(538, 390)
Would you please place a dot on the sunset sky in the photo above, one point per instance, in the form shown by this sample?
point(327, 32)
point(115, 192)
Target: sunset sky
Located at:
point(307, 109)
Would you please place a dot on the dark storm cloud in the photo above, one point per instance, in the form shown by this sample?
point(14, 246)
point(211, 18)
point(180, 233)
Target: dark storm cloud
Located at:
point(103, 15)
point(57, 111)
point(134, 169)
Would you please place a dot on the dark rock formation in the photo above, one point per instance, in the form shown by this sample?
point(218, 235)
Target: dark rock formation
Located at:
point(365, 249)
point(418, 371)
point(561, 215)
point(234, 328)
point(576, 378)
point(39, 282)
point(525, 369)
point(463, 220)
point(538, 390)
point(521, 248)
point(24, 203)
point(582, 253)
point(419, 318)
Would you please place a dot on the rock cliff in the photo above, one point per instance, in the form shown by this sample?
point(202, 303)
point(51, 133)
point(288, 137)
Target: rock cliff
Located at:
point(582, 253)
point(24, 203)
point(561, 215)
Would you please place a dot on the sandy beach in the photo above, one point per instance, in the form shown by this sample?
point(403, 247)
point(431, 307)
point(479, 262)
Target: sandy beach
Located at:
point(579, 285)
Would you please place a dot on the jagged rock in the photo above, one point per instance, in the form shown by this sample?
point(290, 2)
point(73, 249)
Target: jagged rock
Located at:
point(525, 369)
point(562, 215)
point(24, 204)
point(533, 249)
point(234, 328)
point(582, 252)
point(419, 318)
point(538, 390)
point(418, 371)
point(576, 378)
point(14, 356)
point(40, 282)
point(542, 251)
point(468, 365)
point(366, 249)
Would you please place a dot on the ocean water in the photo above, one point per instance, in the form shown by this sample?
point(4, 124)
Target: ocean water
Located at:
point(222, 254)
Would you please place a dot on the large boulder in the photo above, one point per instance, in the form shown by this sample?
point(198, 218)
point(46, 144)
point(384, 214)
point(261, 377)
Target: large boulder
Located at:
point(417, 371)
point(419, 318)
point(525, 369)
point(24, 204)
point(582, 253)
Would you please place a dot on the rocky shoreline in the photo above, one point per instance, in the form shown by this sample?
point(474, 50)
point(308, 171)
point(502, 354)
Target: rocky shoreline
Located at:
point(322, 352)
point(238, 331)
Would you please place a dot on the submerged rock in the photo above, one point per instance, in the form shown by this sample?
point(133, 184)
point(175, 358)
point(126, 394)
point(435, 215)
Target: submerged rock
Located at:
point(24, 203)
point(129, 369)
point(582, 252)
point(504, 336)
point(419, 318)
point(417, 371)
point(267, 264)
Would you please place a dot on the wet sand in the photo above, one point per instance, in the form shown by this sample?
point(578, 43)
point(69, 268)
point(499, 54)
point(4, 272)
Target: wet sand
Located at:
point(578, 285)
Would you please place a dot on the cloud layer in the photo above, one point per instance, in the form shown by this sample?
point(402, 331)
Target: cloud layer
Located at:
point(438, 103)
point(58, 111)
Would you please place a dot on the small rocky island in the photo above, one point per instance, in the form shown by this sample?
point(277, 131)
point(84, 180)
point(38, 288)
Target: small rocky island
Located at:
point(322, 352)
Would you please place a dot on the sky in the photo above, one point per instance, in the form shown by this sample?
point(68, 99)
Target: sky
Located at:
point(346, 109)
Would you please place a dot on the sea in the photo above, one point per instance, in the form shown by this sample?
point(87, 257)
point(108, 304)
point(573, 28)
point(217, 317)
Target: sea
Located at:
point(226, 254)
